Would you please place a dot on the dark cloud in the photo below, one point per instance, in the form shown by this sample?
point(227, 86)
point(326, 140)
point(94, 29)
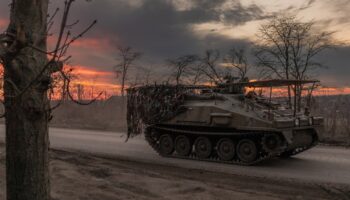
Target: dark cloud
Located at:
point(157, 27)
point(296, 9)
point(239, 14)
point(337, 62)
point(160, 30)
point(307, 5)
point(4, 8)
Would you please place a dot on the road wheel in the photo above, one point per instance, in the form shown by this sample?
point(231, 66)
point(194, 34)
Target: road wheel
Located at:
point(166, 145)
point(183, 145)
point(247, 151)
point(226, 149)
point(203, 147)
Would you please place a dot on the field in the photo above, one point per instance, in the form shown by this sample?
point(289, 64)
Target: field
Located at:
point(110, 115)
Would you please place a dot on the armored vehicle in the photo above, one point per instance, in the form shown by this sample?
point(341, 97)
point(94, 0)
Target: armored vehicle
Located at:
point(224, 123)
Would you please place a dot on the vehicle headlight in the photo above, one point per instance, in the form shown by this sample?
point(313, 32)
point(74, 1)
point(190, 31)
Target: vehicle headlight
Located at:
point(297, 122)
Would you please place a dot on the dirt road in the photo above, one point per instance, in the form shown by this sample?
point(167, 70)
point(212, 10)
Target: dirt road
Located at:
point(76, 176)
point(320, 165)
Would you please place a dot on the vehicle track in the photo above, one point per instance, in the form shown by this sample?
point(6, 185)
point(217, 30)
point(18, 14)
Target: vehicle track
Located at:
point(152, 134)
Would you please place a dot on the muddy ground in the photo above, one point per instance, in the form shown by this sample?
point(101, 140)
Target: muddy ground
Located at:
point(77, 176)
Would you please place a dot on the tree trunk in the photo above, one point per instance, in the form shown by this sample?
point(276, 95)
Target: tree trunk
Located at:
point(122, 88)
point(289, 97)
point(27, 113)
point(300, 90)
point(123, 82)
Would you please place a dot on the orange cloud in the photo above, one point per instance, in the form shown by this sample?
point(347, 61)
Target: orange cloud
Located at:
point(88, 72)
point(86, 43)
point(102, 85)
point(93, 82)
point(332, 91)
point(100, 43)
point(3, 23)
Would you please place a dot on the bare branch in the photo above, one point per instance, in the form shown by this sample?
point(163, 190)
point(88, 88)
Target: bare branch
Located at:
point(68, 81)
point(287, 48)
point(181, 67)
point(237, 60)
point(61, 47)
point(126, 56)
point(210, 66)
point(51, 20)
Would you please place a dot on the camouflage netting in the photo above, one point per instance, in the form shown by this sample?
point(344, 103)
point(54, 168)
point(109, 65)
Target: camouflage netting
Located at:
point(149, 105)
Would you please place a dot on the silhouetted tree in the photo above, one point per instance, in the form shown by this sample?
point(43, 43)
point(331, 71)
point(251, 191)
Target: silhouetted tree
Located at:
point(210, 66)
point(29, 67)
point(182, 67)
point(237, 59)
point(287, 49)
point(126, 57)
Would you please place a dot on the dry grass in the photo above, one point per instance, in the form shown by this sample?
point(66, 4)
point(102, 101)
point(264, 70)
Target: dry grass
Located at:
point(336, 111)
point(101, 115)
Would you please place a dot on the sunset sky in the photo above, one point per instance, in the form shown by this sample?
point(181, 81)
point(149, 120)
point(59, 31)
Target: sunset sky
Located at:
point(163, 29)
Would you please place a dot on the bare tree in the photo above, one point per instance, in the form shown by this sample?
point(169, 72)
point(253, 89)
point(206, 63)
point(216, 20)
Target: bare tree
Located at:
point(126, 57)
point(210, 66)
point(219, 71)
point(237, 59)
point(197, 74)
point(305, 45)
point(182, 68)
point(29, 67)
point(287, 49)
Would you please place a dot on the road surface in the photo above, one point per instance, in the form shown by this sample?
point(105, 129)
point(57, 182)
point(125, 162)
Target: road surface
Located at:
point(320, 165)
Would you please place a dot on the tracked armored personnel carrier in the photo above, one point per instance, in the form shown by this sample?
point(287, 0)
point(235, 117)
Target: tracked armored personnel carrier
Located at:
point(224, 123)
